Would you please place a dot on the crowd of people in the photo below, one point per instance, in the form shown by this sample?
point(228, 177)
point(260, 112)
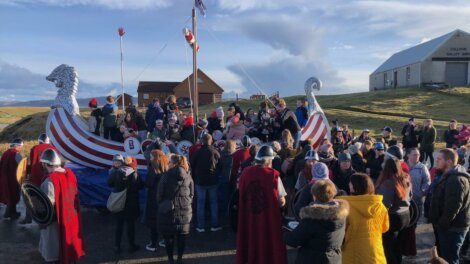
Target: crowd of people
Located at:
point(350, 200)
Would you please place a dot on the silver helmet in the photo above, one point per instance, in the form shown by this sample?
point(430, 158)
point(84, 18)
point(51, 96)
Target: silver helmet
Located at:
point(50, 157)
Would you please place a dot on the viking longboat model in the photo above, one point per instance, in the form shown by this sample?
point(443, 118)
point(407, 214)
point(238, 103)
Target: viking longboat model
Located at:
point(69, 133)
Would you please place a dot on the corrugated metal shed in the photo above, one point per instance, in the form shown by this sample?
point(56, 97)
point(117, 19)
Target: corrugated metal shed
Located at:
point(415, 54)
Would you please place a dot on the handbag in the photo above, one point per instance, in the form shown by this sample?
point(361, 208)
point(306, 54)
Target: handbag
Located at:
point(117, 201)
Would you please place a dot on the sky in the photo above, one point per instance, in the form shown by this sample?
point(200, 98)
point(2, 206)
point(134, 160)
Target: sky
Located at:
point(246, 46)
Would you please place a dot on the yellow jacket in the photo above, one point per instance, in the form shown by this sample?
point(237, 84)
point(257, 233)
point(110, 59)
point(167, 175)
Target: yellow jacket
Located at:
point(367, 221)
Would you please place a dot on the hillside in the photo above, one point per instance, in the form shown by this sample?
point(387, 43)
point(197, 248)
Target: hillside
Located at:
point(361, 110)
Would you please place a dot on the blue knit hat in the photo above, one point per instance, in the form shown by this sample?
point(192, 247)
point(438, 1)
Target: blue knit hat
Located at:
point(320, 171)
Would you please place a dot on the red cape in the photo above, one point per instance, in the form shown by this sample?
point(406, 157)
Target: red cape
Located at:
point(37, 172)
point(238, 157)
point(259, 235)
point(9, 186)
point(67, 208)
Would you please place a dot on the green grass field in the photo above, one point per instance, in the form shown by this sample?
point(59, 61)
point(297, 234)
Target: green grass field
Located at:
point(372, 110)
point(9, 115)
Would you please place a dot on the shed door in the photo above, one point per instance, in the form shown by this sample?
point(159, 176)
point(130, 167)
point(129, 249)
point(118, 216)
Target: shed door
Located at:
point(457, 73)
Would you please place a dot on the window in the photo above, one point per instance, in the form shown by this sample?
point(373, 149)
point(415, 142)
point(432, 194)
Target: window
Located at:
point(146, 96)
point(199, 80)
point(408, 74)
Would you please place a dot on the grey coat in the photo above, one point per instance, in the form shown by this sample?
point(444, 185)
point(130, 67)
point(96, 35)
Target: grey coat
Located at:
point(177, 186)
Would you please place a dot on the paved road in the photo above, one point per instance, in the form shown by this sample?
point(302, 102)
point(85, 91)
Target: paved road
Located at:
point(18, 244)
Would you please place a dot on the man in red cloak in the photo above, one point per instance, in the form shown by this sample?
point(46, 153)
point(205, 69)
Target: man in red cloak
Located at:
point(240, 156)
point(9, 186)
point(36, 171)
point(259, 236)
point(61, 240)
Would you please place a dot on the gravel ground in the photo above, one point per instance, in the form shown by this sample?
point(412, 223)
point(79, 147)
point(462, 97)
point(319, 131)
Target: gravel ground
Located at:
point(18, 244)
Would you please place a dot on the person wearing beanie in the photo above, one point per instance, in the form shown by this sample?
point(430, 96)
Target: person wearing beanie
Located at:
point(387, 135)
point(365, 135)
point(342, 171)
point(322, 226)
point(109, 112)
point(201, 126)
point(187, 132)
point(235, 128)
point(94, 121)
point(159, 132)
point(123, 177)
point(357, 160)
point(319, 172)
point(215, 121)
point(374, 163)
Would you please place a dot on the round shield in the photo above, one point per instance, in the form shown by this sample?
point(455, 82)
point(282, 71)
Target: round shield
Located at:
point(38, 203)
point(255, 141)
point(166, 149)
point(21, 170)
point(145, 144)
point(233, 210)
point(132, 146)
point(183, 147)
point(220, 145)
point(217, 135)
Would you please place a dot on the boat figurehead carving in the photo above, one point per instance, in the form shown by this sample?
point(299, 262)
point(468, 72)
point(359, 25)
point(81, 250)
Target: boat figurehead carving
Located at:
point(65, 79)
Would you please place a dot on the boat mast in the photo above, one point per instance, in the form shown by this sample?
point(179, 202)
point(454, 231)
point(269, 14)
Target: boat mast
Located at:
point(194, 87)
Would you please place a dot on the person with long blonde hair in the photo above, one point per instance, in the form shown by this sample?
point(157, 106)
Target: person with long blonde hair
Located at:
point(174, 197)
point(157, 166)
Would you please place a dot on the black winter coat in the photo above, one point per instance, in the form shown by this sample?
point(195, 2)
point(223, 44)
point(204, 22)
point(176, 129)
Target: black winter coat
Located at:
point(375, 166)
point(320, 233)
point(151, 206)
point(214, 124)
point(410, 139)
point(341, 179)
point(289, 122)
point(450, 204)
point(126, 178)
point(358, 163)
point(203, 164)
point(224, 167)
point(177, 186)
point(449, 137)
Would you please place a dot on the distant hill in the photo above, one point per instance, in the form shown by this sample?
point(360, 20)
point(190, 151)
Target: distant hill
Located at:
point(372, 110)
point(82, 102)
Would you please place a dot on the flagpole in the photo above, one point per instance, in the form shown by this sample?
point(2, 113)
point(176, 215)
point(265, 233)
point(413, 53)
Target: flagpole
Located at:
point(122, 77)
point(194, 88)
point(121, 34)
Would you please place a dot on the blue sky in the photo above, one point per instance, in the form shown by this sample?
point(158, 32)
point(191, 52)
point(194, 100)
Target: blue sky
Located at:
point(278, 43)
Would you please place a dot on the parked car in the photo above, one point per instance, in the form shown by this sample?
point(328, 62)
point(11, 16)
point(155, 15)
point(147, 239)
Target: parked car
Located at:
point(183, 102)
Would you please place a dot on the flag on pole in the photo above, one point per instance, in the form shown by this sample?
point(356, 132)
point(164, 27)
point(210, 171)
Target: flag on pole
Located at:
point(317, 127)
point(189, 36)
point(200, 5)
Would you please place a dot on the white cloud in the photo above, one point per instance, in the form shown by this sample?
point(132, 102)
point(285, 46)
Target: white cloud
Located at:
point(110, 4)
point(28, 85)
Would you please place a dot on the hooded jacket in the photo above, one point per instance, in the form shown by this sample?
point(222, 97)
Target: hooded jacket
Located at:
point(177, 186)
point(122, 178)
point(320, 233)
point(450, 204)
point(109, 112)
point(367, 221)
